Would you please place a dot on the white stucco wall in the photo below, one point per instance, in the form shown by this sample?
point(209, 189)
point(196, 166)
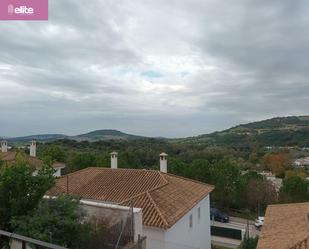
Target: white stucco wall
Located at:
point(181, 235)
point(114, 213)
point(57, 172)
point(155, 238)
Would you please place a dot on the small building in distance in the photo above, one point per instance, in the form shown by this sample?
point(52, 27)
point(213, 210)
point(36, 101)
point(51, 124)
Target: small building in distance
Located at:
point(9, 157)
point(276, 181)
point(301, 162)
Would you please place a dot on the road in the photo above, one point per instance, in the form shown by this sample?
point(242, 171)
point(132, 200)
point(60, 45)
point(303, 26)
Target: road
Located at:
point(236, 223)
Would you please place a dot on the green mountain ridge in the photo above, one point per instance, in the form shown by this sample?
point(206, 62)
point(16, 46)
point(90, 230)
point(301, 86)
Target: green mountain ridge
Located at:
point(279, 131)
point(97, 135)
point(107, 134)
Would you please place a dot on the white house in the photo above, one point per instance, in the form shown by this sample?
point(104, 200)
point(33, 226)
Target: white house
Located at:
point(175, 210)
point(10, 157)
point(301, 162)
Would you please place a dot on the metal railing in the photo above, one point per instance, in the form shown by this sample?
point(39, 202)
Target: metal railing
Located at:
point(26, 241)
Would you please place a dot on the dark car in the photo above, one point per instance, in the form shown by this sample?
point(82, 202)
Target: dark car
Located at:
point(217, 215)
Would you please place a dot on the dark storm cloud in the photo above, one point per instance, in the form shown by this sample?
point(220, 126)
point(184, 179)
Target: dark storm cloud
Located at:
point(91, 66)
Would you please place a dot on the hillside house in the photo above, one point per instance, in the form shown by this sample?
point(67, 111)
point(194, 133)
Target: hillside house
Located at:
point(276, 181)
point(301, 162)
point(175, 210)
point(10, 157)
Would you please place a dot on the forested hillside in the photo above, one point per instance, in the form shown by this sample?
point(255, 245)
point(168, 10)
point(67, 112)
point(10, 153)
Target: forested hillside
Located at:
point(286, 131)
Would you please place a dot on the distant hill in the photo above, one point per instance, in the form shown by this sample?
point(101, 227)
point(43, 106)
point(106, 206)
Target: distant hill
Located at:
point(40, 138)
point(97, 135)
point(292, 123)
point(100, 135)
point(280, 131)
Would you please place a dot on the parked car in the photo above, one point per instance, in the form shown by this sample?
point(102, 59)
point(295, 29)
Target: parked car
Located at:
point(259, 222)
point(217, 215)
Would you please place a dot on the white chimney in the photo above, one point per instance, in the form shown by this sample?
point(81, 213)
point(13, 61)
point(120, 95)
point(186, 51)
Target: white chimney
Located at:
point(33, 148)
point(114, 156)
point(4, 146)
point(163, 162)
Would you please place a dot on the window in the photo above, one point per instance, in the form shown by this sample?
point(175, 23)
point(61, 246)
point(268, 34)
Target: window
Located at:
point(190, 221)
point(199, 212)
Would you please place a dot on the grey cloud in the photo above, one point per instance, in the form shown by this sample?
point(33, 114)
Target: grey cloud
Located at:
point(223, 63)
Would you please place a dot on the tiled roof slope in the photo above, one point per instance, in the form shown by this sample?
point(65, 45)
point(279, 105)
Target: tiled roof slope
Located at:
point(285, 225)
point(164, 198)
point(10, 157)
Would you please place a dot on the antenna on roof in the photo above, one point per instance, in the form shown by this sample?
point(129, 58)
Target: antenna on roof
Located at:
point(67, 184)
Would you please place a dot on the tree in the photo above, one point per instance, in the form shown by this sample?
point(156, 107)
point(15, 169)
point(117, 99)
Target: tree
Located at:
point(84, 160)
point(128, 160)
point(294, 189)
point(296, 172)
point(59, 221)
point(277, 163)
point(226, 177)
point(200, 170)
point(260, 193)
point(20, 191)
point(53, 153)
point(177, 166)
point(249, 243)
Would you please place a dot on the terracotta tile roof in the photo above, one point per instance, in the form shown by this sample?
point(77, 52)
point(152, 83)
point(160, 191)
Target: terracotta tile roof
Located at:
point(58, 165)
point(164, 198)
point(285, 225)
point(10, 157)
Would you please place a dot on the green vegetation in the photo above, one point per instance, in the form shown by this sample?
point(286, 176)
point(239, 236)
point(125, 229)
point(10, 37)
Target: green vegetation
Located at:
point(249, 243)
point(20, 191)
point(232, 189)
point(220, 158)
point(105, 135)
point(23, 210)
point(294, 189)
point(286, 131)
point(59, 221)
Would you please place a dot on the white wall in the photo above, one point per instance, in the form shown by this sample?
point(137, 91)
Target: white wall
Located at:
point(155, 238)
point(57, 172)
point(114, 213)
point(180, 235)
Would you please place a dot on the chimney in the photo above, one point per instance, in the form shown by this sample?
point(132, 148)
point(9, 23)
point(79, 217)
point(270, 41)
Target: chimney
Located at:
point(163, 162)
point(33, 148)
point(4, 146)
point(114, 156)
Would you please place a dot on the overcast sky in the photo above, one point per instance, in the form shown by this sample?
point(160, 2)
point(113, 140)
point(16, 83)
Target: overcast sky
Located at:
point(154, 67)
